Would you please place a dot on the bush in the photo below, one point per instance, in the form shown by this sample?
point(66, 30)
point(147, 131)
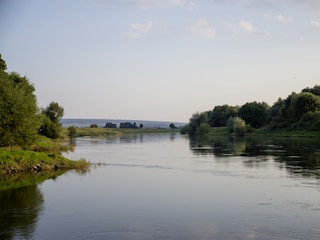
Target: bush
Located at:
point(49, 128)
point(72, 131)
point(310, 121)
point(185, 129)
point(204, 128)
point(93, 125)
point(236, 126)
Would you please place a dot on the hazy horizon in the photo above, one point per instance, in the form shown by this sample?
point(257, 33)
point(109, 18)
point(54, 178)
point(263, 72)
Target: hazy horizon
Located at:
point(161, 60)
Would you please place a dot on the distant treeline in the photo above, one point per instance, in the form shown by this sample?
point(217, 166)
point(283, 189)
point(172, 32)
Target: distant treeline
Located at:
point(299, 111)
point(123, 125)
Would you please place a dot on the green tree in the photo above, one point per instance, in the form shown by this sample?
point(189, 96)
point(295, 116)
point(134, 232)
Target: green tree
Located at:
point(172, 126)
point(196, 120)
point(315, 90)
point(296, 105)
point(237, 126)
point(19, 119)
point(254, 113)
point(3, 65)
point(54, 112)
point(72, 131)
point(51, 116)
point(220, 114)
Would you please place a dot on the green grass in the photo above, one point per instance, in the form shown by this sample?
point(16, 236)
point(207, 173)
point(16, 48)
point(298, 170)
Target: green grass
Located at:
point(14, 161)
point(110, 132)
point(94, 132)
point(44, 144)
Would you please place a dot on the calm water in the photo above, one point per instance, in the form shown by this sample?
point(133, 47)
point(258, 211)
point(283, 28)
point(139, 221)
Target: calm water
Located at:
point(166, 186)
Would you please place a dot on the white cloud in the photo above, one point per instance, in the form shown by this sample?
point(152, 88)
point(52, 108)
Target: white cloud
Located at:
point(315, 24)
point(247, 26)
point(137, 30)
point(202, 28)
point(280, 18)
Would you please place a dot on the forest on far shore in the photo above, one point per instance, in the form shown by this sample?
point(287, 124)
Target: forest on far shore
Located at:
point(299, 111)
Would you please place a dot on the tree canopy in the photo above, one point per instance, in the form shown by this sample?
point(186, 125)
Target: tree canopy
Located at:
point(19, 119)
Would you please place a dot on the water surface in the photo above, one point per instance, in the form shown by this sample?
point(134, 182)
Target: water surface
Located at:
point(165, 186)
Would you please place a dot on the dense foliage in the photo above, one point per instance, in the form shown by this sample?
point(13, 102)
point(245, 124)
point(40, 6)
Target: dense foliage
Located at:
point(51, 116)
point(299, 111)
point(20, 120)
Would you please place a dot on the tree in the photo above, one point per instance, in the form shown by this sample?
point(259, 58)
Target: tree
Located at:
point(254, 113)
point(196, 120)
point(54, 112)
point(172, 126)
point(3, 65)
point(296, 105)
point(72, 131)
point(237, 126)
point(19, 119)
point(315, 90)
point(220, 114)
point(51, 116)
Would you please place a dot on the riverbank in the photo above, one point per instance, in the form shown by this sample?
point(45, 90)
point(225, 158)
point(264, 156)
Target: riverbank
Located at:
point(44, 155)
point(222, 131)
point(110, 132)
point(15, 161)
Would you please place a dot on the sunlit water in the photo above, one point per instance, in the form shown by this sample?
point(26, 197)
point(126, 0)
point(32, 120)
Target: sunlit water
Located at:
point(164, 186)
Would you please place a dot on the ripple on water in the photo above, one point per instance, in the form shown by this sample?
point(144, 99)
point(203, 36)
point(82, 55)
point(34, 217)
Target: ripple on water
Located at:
point(117, 234)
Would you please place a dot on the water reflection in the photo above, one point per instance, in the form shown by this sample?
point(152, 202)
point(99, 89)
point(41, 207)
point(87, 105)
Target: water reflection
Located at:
point(21, 203)
point(125, 138)
point(300, 156)
point(20, 208)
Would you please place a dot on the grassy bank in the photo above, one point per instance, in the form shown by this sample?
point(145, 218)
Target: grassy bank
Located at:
point(14, 161)
point(109, 132)
point(43, 155)
point(94, 132)
point(222, 131)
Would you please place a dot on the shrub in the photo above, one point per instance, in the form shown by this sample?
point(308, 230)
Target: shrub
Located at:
point(237, 126)
point(72, 131)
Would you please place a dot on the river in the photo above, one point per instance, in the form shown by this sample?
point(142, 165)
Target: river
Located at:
point(166, 186)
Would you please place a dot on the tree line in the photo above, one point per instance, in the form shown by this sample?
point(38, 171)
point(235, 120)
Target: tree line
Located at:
point(299, 111)
point(21, 120)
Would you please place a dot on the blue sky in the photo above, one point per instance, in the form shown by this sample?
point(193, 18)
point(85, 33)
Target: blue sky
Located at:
point(161, 59)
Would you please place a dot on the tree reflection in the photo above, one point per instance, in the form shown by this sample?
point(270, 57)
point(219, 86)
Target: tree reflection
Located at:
point(300, 155)
point(21, 203)
point(20, 208)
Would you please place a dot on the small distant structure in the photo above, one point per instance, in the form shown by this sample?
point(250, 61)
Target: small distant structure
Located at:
point(110, 125)
point(128, 125)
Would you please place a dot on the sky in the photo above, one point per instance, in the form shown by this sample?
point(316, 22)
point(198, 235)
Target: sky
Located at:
point(160, 59)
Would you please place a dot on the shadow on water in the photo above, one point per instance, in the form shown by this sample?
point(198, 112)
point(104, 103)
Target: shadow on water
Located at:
point(21, 203)
point(300, 156)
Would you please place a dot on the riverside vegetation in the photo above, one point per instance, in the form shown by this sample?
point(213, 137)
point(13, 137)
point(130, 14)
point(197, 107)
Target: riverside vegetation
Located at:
point(297, 115)
point(29, 136)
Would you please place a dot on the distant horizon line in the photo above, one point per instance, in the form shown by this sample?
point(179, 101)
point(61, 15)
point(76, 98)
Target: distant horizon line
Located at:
point(118, 119)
